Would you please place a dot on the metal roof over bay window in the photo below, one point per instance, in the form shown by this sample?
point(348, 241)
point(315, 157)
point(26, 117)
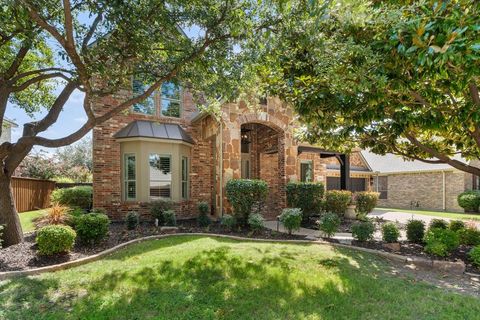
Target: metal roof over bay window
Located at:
point(155, 130)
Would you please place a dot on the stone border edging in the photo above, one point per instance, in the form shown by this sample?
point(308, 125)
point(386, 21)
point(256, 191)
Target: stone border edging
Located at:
point(445, 266)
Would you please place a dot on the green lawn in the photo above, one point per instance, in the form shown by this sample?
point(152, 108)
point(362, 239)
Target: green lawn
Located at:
point(451, 215)
point(27, 218)
point(193, 277)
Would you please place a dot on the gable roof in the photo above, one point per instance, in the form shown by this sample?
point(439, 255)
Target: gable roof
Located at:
point(155, 130)
point(390, 163)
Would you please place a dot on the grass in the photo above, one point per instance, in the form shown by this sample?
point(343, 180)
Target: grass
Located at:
point(27, 219)
point(192, 277)
point(442, 214)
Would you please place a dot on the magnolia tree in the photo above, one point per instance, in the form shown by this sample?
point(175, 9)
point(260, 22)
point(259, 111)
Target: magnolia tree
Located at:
point(391, 76)
point(96, 47)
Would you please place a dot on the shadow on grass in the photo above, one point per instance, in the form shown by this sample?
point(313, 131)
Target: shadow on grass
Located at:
point(220, 283)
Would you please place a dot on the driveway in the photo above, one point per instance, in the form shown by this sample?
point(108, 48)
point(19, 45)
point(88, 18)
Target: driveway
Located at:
point(402, 217)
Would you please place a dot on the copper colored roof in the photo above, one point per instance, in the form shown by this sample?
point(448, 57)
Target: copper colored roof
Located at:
point(155, 130)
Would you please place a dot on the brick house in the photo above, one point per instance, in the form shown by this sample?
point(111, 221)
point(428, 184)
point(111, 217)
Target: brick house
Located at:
point(165, 148)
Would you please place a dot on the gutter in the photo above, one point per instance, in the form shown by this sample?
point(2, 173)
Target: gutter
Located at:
point(444, 192)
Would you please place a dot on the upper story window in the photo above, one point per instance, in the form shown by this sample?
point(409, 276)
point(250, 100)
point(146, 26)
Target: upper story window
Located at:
point(165, 102)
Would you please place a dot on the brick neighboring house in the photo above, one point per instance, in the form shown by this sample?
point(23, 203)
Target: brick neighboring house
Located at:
point(165, 148)
point(415, 184)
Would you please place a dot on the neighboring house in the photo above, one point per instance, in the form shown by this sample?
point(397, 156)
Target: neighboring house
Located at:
point(7, 130)
point(164, 148)
point(416, 184)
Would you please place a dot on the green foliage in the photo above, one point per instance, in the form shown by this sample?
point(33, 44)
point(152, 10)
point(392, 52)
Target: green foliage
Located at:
point(456, 225)
point(229, 222)
point(170, 218)
point(92, 227)
point(366, 201)
point(415, 231)
point(132, 220)
point(329, 223)
point(77, 212)
point(441, 242)
point(390, 232)
point(337, 201)
point(158, 208)
point(438, 224)
point(469, 200)
point(306, 196)
point(474, 256)
point(203, 219)
point(291, 218)
point(76, 197)
point(55, 239)
point(363, 230)
point(469, 236)
point(255, 222)
point(246, 196)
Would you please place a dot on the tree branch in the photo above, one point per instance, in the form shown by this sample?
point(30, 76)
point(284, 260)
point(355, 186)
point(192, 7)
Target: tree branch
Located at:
point(90, 32)
point(32, 72)
point(22, 52)
point(39, 78)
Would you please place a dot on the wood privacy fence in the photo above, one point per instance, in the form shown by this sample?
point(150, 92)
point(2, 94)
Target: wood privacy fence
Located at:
point(31, 194)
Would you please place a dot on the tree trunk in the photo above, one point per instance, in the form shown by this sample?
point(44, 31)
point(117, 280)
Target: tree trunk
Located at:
point(12, 232)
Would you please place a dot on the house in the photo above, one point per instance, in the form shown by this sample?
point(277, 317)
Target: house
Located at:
point(164, 148)
point(7, 130)
point(415, 184)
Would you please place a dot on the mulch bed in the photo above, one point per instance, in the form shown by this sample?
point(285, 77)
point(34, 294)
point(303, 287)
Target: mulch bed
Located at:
point(24, 256)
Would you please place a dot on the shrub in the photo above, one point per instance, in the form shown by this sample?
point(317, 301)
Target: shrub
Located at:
point(255, 221)
point(228, 221)
point(291, 218)
point(203, 209)
point(56, 214)
point(246, 196)
point(132, 220)
point(390, 232)
point(415, 231)
point(92, 227)
point(474, 256)
point(306, 196)
point(76, 197)
point(77, 212)
point(1, 235)
point(158, 207)
point(336, 201)
point(363, 230)
point(55, 239)
point(169, 218)
point(329, 223)
point(438, 224)
point(469, 236)
point(366, 201)
point(469, 200)
point(456, 225)
point(441, 242)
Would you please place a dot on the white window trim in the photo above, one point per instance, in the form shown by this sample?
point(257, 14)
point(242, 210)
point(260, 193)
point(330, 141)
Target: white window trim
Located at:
point(149, 179)
point(125, 176)
point(310, 162)
point(180, 101)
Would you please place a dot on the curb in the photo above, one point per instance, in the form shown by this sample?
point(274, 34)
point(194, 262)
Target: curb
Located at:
point(419, 262)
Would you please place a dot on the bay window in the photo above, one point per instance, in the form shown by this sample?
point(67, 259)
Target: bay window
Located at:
point(130, 176)
point(160, 176)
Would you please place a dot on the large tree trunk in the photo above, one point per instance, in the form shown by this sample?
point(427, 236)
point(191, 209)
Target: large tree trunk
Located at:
point(12, 232)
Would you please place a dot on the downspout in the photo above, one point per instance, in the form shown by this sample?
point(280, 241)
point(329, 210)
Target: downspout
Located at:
point(444, 192)
point(221, 166)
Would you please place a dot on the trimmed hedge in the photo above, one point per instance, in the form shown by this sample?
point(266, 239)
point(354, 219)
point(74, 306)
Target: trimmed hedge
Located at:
point(307, 196)
point(246, 196)
point(55, 239)
point(336, 201)
point(92, 227)
point(157, 209)
point(329, 223)
point(366, 201)
point(76, 197)
point(469, 236)
point(132, 220)
point(441, 242)
point(363, 231)
point(415, 231)
point(291, 218)
point(255, 221)
point(469, 200)
point(390, 232)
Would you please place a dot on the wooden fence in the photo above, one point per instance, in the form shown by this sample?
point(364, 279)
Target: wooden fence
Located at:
point(31, 194)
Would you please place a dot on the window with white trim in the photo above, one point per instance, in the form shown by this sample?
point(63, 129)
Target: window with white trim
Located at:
point(130, 176)
point(147, 106)
point(184, 178)
point(306, 171)
point(165, 102)
point(160, 176)
point(171, 100)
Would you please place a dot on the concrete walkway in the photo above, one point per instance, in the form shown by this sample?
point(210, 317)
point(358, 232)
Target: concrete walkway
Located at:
point(402, 217)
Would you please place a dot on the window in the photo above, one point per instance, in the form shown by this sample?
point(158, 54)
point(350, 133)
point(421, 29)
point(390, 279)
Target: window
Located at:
point(160, 176)
point(381, 186)
point(245, 169)
point(184, 178)
point(130, 176)
point(170, 100)
point(166, 102)
point(306, 171)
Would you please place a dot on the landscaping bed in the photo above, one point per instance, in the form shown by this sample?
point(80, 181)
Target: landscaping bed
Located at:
point(25, 255)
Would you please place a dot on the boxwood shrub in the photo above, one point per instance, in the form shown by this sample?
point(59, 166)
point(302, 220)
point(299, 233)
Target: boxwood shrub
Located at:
point(456, 225)
point(157, 209)
point(336, 201)
point(255, 221)
point(415, 231)
point(366, 201)
point(203, 219)
point(441, 242)
point(92, 227)
point(55, 239)
point(469, 236)
point(306, 196)
point(329, 223)
point(438, 224)
point(474, 256)
point(76, 197)
point(363, 230)
point(469, 200)
point(291, 218)
point(390, 232)
point(132, 220)
point(228, 222)
point(246, 196)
